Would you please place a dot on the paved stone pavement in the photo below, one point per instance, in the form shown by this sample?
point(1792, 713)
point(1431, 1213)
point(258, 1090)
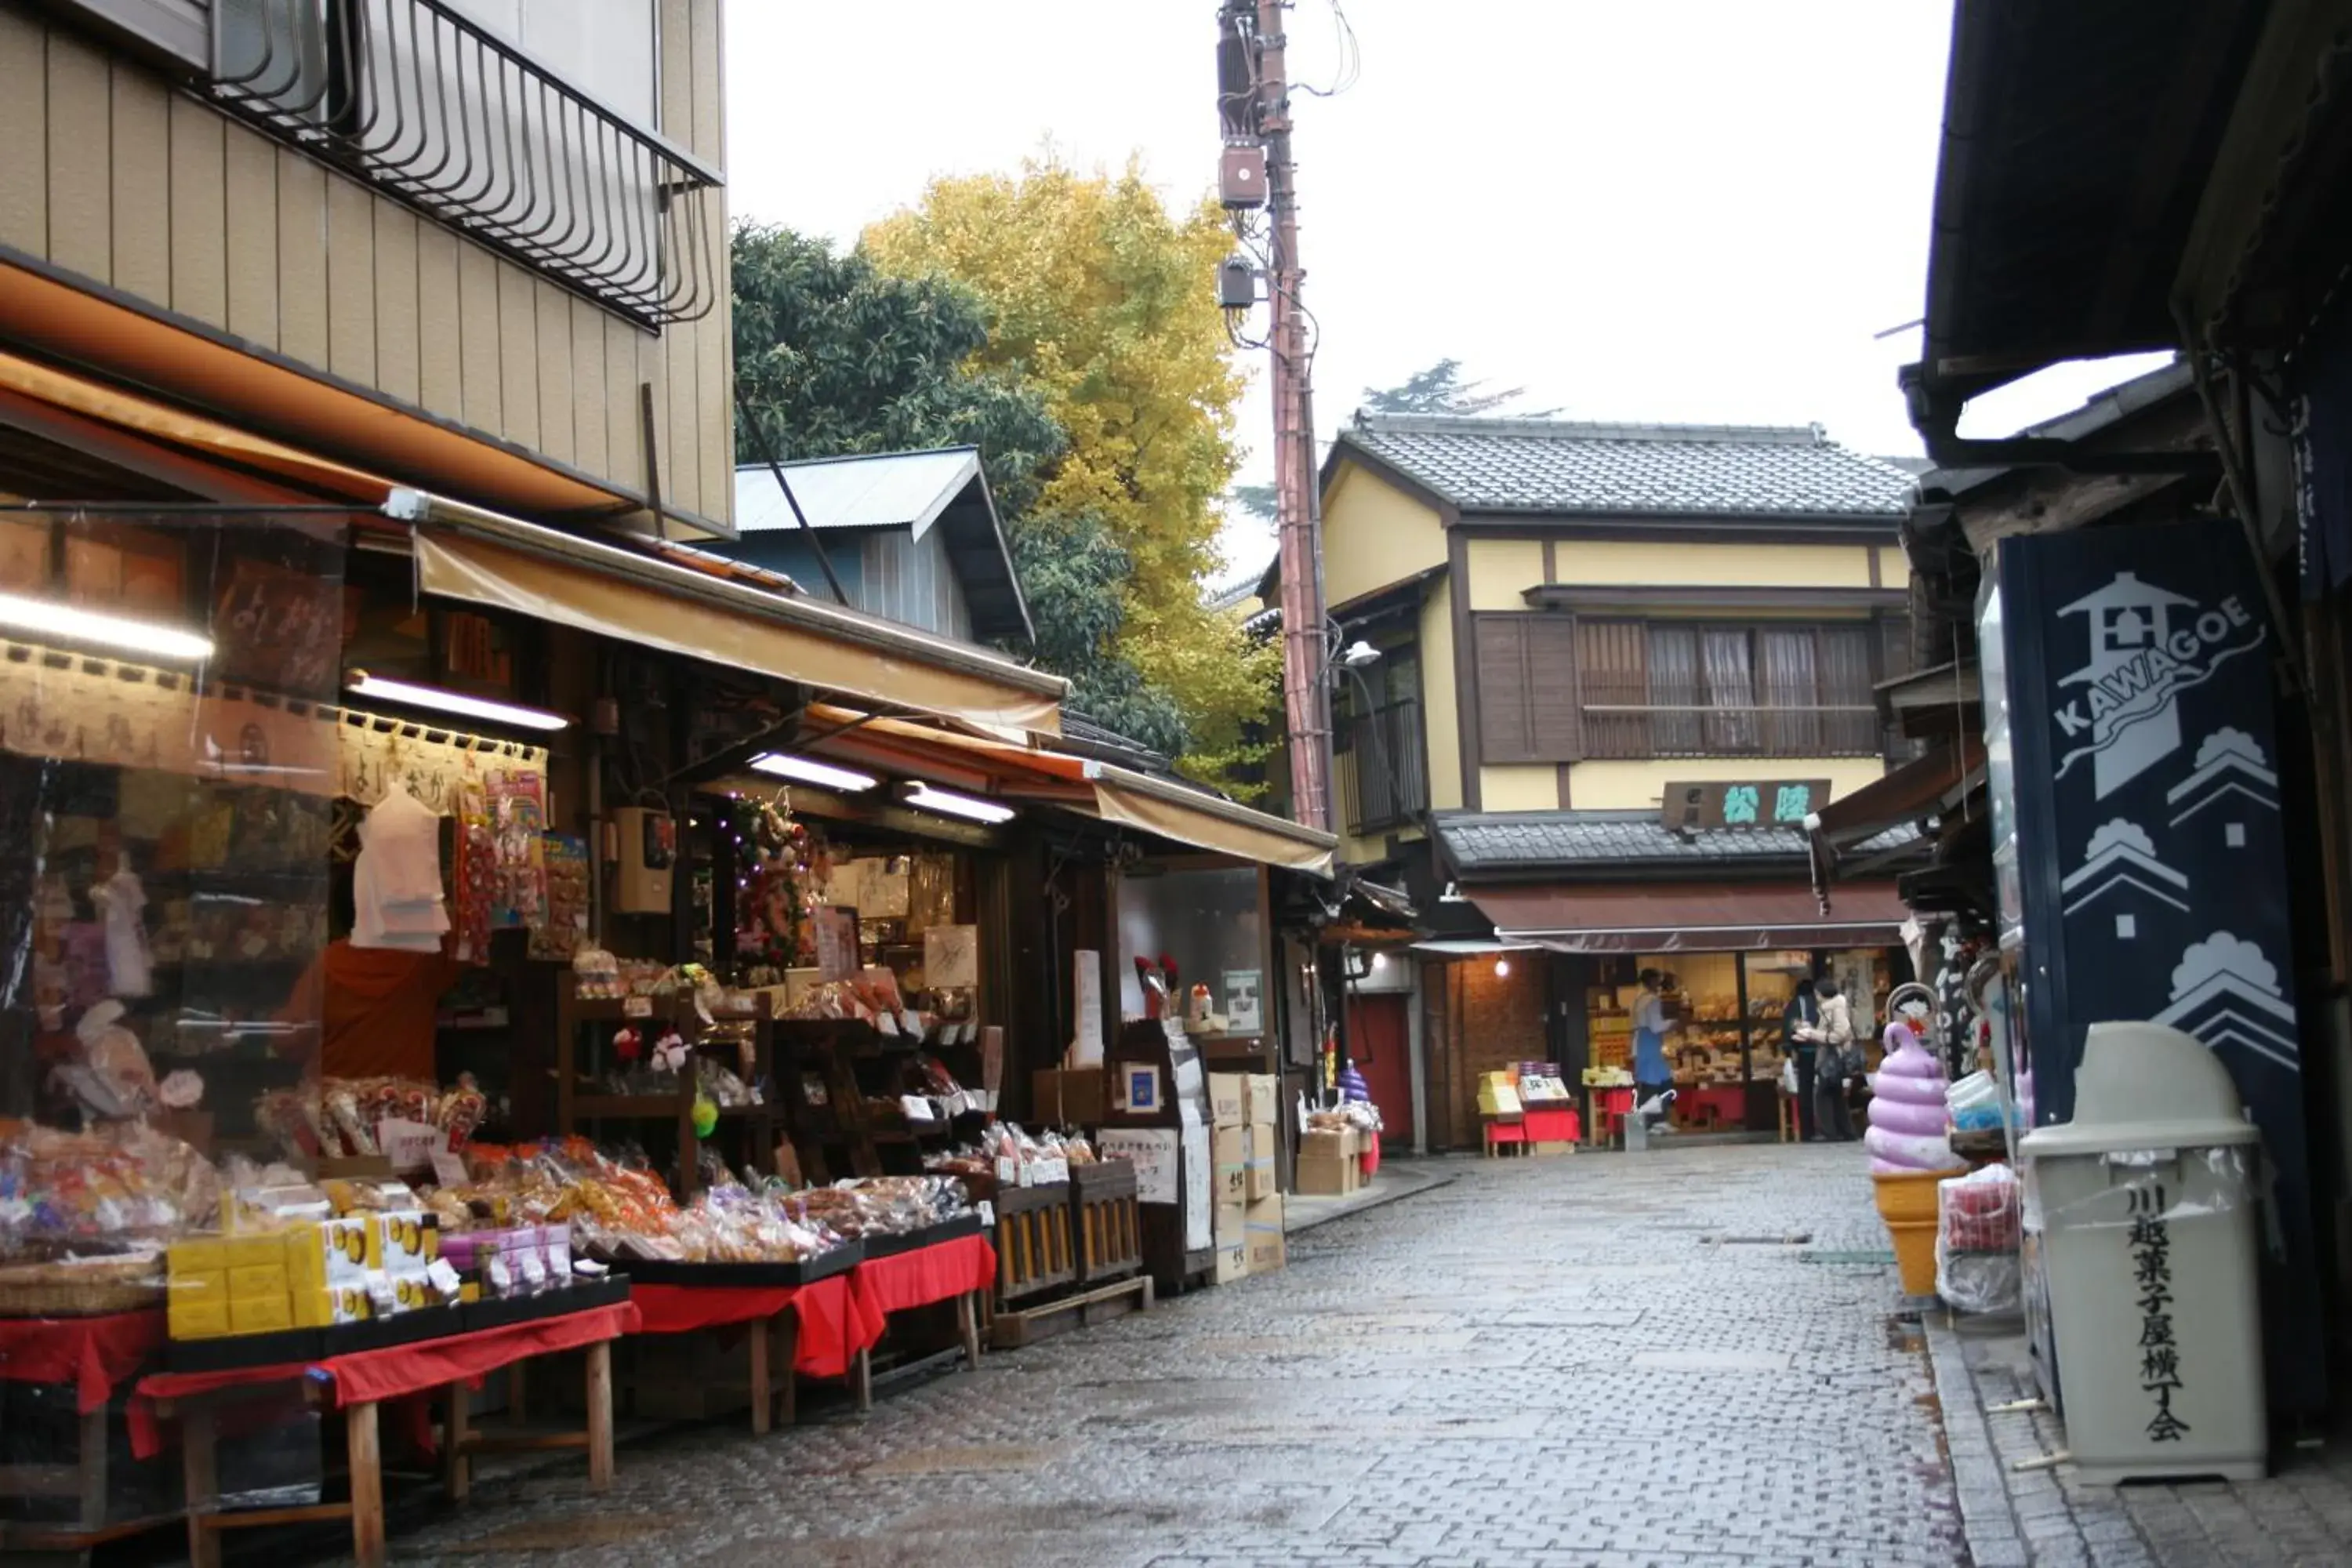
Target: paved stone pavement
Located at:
point(2300, 1518)
point(1607, 1360)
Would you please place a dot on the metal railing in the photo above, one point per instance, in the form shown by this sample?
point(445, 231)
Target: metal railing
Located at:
point(1383, 776)
point(430, 108)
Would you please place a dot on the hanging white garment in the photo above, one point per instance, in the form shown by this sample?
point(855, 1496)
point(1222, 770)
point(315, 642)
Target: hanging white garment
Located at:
point(396, 882)
point(122, 901)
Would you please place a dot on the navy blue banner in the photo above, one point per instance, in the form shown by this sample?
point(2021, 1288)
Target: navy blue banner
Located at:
point(2146, 853)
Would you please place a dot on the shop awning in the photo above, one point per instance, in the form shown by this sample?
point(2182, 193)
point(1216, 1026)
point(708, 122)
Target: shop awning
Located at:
point(1859, 834)
point(1105, 791)
point(1667, 917)
point(463, 552)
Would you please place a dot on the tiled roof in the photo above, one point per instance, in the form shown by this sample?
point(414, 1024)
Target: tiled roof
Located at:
point(1551, 466)
point(1530, 840)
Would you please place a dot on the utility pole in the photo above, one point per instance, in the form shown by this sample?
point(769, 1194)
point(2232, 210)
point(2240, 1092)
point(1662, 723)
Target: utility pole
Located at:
point(1255, 92)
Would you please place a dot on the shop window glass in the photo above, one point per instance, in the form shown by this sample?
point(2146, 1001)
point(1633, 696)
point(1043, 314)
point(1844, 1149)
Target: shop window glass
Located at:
point(1207, 920)
point(166, 789)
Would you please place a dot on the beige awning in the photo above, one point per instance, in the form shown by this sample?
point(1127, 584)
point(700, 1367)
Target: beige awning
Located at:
point(1206, 822)
point(463, 552)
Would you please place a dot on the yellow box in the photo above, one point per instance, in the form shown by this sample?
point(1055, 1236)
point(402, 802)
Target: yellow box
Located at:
point(259, 1316)
point(404, 1241)
point(327, 1306)
point(412, 1291)
point(199, 1320)
point(254, 1251)
point(329, 1252)
point(259, 1283)
point(197, 1255)
point(187, 1287)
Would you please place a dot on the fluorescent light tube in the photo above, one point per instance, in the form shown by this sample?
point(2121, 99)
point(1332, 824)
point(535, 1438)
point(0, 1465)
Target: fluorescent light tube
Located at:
point(360, 683)
point(52, 620)
point(809, 770)
point(923, 797)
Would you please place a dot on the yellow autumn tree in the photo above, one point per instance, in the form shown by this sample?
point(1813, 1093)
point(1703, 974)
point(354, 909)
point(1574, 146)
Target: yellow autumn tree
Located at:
point(1104, 301)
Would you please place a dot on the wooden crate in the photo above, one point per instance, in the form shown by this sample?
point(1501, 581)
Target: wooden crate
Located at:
point(1109, 1227)
point(1023, 1326)
point(1034, 1254)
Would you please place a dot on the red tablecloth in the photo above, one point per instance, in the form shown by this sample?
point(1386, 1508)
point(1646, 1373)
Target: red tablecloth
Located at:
point(834, 1323)
point(92, 1353)
point(374, 1376)
point(940, 1272)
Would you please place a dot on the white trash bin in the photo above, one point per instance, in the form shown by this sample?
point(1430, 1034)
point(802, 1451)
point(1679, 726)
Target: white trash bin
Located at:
point(2148, 1238)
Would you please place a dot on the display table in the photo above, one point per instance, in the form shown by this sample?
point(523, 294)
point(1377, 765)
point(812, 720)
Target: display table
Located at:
point(819, 1330)
point(1717, 1107)
point(92, 1356)
point(1549, 1122)
point(1605, 1111)
point(960, 1270)
point(357, 1383)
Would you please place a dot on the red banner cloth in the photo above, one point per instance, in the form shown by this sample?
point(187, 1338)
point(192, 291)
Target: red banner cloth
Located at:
point(833, 1324)
point(940, 1272)
point(1551, 1124)
point(91, 1353)
point(374, 1376)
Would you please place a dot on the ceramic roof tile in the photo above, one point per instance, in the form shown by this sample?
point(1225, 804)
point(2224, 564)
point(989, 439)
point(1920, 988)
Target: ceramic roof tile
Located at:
point(1550, 466)
point(1531, 839)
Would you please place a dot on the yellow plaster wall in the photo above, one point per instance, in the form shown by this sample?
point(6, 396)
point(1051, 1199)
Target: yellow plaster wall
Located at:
point(1439, 721)
point(1535, 788)
point(1638, 785)
point(1621, 562)
point(1894, 567)
point(1502, 571)
point(1374, 535)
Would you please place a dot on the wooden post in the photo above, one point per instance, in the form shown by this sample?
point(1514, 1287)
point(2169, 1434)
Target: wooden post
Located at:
point(762, 1394)
point(600, 1416)
point(519, 1394)
point(456, 1465)
point(201, 1479)
point(787, 1327)
point(93, 1469)
point(367, 1485)
point(863, 1373)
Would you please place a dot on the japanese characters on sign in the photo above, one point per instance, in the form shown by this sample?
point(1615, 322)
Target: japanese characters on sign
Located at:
point(2150, 1244)
point(1761, 803)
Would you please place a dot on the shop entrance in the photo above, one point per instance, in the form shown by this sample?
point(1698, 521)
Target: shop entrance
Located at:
point(1379, 1046)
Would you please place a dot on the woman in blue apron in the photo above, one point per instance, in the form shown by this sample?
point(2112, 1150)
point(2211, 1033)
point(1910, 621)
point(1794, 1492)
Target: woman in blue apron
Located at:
point(1652, 1076)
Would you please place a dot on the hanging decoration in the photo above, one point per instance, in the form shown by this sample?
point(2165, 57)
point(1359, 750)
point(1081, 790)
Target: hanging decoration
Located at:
point(781, 865)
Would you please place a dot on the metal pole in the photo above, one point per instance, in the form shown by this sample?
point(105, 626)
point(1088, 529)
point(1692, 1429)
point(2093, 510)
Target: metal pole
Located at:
point(1306, 702)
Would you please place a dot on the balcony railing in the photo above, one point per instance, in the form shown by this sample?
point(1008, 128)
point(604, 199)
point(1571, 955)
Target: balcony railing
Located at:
point(430, 108)
point(1654, 730)
point(1383, 776)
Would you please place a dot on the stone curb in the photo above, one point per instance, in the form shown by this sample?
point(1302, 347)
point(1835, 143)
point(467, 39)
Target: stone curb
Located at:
point(1377, 1200)
point(1988, 1521)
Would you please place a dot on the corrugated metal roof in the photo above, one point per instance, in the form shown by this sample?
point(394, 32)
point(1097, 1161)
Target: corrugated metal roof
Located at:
point(1526, 841)
point(1555, 466)
point(895, 490)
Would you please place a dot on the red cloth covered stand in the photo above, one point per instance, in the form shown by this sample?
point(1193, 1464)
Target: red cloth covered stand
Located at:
point(94, 1354)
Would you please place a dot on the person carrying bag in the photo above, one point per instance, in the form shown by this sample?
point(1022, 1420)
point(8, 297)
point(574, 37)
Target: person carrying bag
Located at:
point(1837, 1062)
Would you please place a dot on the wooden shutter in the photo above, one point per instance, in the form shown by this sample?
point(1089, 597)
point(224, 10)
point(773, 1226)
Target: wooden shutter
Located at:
point(1506, 729)
point(1555, 705)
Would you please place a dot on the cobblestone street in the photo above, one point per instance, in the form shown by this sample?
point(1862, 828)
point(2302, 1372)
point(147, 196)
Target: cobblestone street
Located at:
point(1605, 1359)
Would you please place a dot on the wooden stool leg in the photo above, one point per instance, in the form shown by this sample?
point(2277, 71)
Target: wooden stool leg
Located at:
point(200, 1474)
point(968, 1319)
point(600, 1416)
point(518, 1392)
point(367, 1485)
point(865, 1375)
point(456, 1464)
point(763, 1396)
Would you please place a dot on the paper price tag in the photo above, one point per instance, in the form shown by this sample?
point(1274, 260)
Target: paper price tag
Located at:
point(987, 1215)
point(636, 1007)
point(448, 1168)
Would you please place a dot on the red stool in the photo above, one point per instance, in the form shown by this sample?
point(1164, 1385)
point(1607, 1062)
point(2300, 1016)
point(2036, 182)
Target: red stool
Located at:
point(1501, 1135)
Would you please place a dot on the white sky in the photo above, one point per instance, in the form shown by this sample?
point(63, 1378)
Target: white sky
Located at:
point(1674, 210)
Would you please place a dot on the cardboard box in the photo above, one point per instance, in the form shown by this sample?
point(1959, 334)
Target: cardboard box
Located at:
point(1073, 1097)
point(1229, 1223)
point(1261, 1229)
point(258, 1283)
point(1229, 1172)
point(330, 1305)
point(1232, 1263)
point(1264, 1098)
point(1263, 1148)
point(1330, 1164)
point(204, 1319)
point(1552, 1146)
point(1229, 1098)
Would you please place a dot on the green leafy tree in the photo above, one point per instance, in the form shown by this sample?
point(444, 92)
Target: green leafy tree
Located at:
point(1101, 302)
point(835, 356)
point(1440, 389)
